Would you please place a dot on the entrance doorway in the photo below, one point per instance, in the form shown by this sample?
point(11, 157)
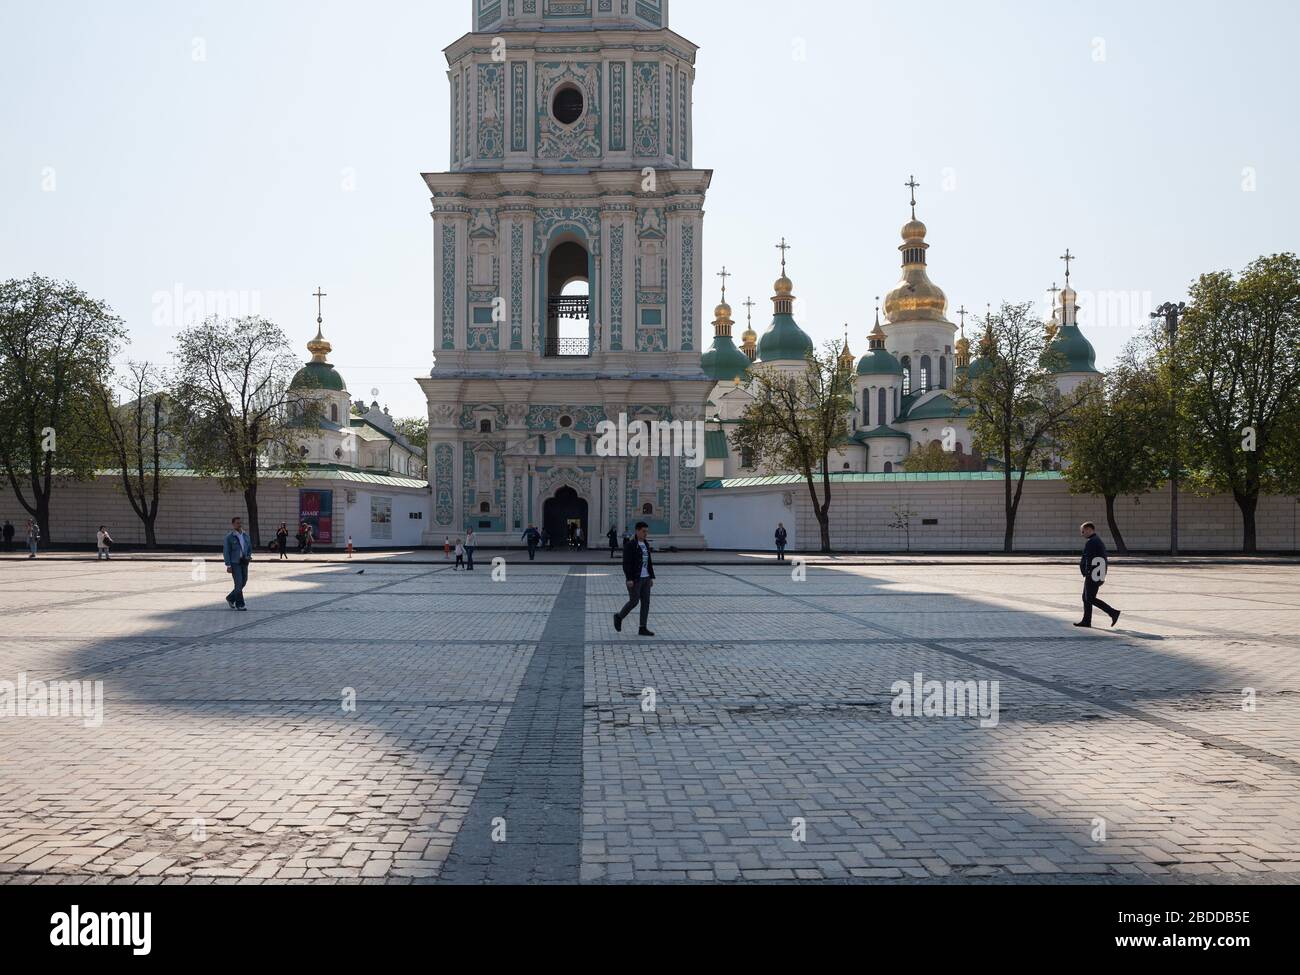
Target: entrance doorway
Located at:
point(563, 513)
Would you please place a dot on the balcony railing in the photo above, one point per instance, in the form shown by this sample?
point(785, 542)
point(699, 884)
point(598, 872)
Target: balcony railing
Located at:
point(558, 348)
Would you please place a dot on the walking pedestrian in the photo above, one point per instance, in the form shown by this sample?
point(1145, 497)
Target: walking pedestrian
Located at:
point(446, 548)
point(349, 546)
point(309, 537)
point(781, 537)
point(33, 538)
point(102, 542)
point(532, 538)
point(460, 557)
point(639, 571)
point(302, 538)
point(613, 542)
point(282, 541)
point(580, 539)
point(237, 549)
point(1094, 565)
point(471, 543)
point(8, 535)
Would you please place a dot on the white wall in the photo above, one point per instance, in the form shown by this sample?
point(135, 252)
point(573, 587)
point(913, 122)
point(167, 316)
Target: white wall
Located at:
point(746, 520)
point(407, 531)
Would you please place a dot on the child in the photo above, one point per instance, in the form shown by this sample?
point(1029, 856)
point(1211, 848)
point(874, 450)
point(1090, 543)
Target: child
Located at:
point(446, 549)
point(349, 546)
point(460, 556)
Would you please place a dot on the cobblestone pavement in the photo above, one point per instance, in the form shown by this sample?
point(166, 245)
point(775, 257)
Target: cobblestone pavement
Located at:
point(411, 724)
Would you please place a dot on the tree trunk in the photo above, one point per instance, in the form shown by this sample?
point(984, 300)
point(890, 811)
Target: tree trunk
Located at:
point(1247, 503)
point(1115, 535)
point(824, 523)
point(254, 530)
point(150, 537)
point(1008, 540)
point(43, 519)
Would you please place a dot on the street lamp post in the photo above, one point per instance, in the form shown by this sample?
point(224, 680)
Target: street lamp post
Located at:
point(1171, 312)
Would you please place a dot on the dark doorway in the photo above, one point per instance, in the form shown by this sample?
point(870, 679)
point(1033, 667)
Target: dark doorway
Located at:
point(561, 511)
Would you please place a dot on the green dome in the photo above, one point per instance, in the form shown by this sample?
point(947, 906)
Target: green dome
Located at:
point(724, 362)
point(784, 341)
point(1076, 350)
point(879, 362)
point(318, 375)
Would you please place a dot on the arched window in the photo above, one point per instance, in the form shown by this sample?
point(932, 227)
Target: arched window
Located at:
point(485, 508)
point(589, 443)
point(746, 458)
point(925, 373)
point(907, 375)
point(866, 407)
point(943, 372)
point(647, 509)
point(881, 418)
point(541, 445)
point(484, 426)
point(889, 467)
point(895, 413)
point(334, 413)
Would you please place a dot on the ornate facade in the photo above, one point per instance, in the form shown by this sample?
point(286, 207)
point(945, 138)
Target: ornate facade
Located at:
point(568, 236)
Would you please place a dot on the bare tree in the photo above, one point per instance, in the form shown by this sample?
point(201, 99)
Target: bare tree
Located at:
point(1018, 408)
point(139, 440)
point(797, 420)
point(235, 406)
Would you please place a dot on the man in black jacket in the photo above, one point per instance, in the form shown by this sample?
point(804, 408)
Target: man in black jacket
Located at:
point(639, 570)
point(1093, 566)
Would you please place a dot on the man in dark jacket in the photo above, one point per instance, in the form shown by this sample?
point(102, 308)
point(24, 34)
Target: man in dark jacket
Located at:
point(639, 570)
point(532, 538)
point(613, 542)
point(1093, 565)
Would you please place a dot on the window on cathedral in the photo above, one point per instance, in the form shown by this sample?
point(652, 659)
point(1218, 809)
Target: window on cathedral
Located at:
point(925, 373)
point(334, 413)
point(907, 375)
point(541, 445)
point(647, 509)
point(567, 105)
point(485, 508)
point(881, 419)
point(747, 458)
point(484, 426)
point(566, 421)
point(943, 372)
point(889, 467)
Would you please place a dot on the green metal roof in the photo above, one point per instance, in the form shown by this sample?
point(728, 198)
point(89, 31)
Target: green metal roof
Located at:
point(882, 433)
point(784, 341)
point(715, 445)
point(879, 362)
point(843, 478)
point(940, 407)
point(724, 362)
point(1076, 350)
point(318, 375)
point(324, 473)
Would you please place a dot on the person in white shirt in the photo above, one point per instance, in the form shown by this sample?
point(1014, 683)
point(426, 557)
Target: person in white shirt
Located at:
point(460, 556)
point(102, 541)
point(471, 543)
point(639, 570)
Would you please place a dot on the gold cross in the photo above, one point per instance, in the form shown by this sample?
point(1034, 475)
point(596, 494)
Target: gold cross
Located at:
point(749, 309)
point(912, 184)
point(724, 274)
point(783, 247)
point(318, 296)
point(1067, 257)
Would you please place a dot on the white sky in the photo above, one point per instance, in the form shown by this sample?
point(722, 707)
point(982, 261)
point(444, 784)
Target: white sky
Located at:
point(1121, 130)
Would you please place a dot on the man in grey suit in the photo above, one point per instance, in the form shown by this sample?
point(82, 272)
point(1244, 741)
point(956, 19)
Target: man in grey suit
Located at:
point(238, 552)
point(639, 571)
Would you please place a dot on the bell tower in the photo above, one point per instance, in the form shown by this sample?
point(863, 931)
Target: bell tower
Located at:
point(568, 241)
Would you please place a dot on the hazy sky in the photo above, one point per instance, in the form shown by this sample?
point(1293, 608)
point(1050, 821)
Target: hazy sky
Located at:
point(156, 149)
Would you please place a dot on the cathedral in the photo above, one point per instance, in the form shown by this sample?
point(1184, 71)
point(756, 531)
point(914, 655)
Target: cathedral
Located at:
point(567, 237)
point(902, 386)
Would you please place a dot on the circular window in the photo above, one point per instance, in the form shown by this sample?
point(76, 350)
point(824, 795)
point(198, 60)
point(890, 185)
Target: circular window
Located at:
point(566, 421)
point(568, 105)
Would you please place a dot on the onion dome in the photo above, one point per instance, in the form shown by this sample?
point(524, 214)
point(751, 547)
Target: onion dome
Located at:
point(318, 373)
point(784, 340)
point(723, 361)
point(878, 361)
point(1069, 349)
point(915, 297)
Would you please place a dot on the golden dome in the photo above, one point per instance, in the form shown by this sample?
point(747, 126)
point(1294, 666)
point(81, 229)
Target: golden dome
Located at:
point(963, 346)
point(914, 230)
point(319, 347)
point(916, 297)
point(722, 313)
point(783, 286)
